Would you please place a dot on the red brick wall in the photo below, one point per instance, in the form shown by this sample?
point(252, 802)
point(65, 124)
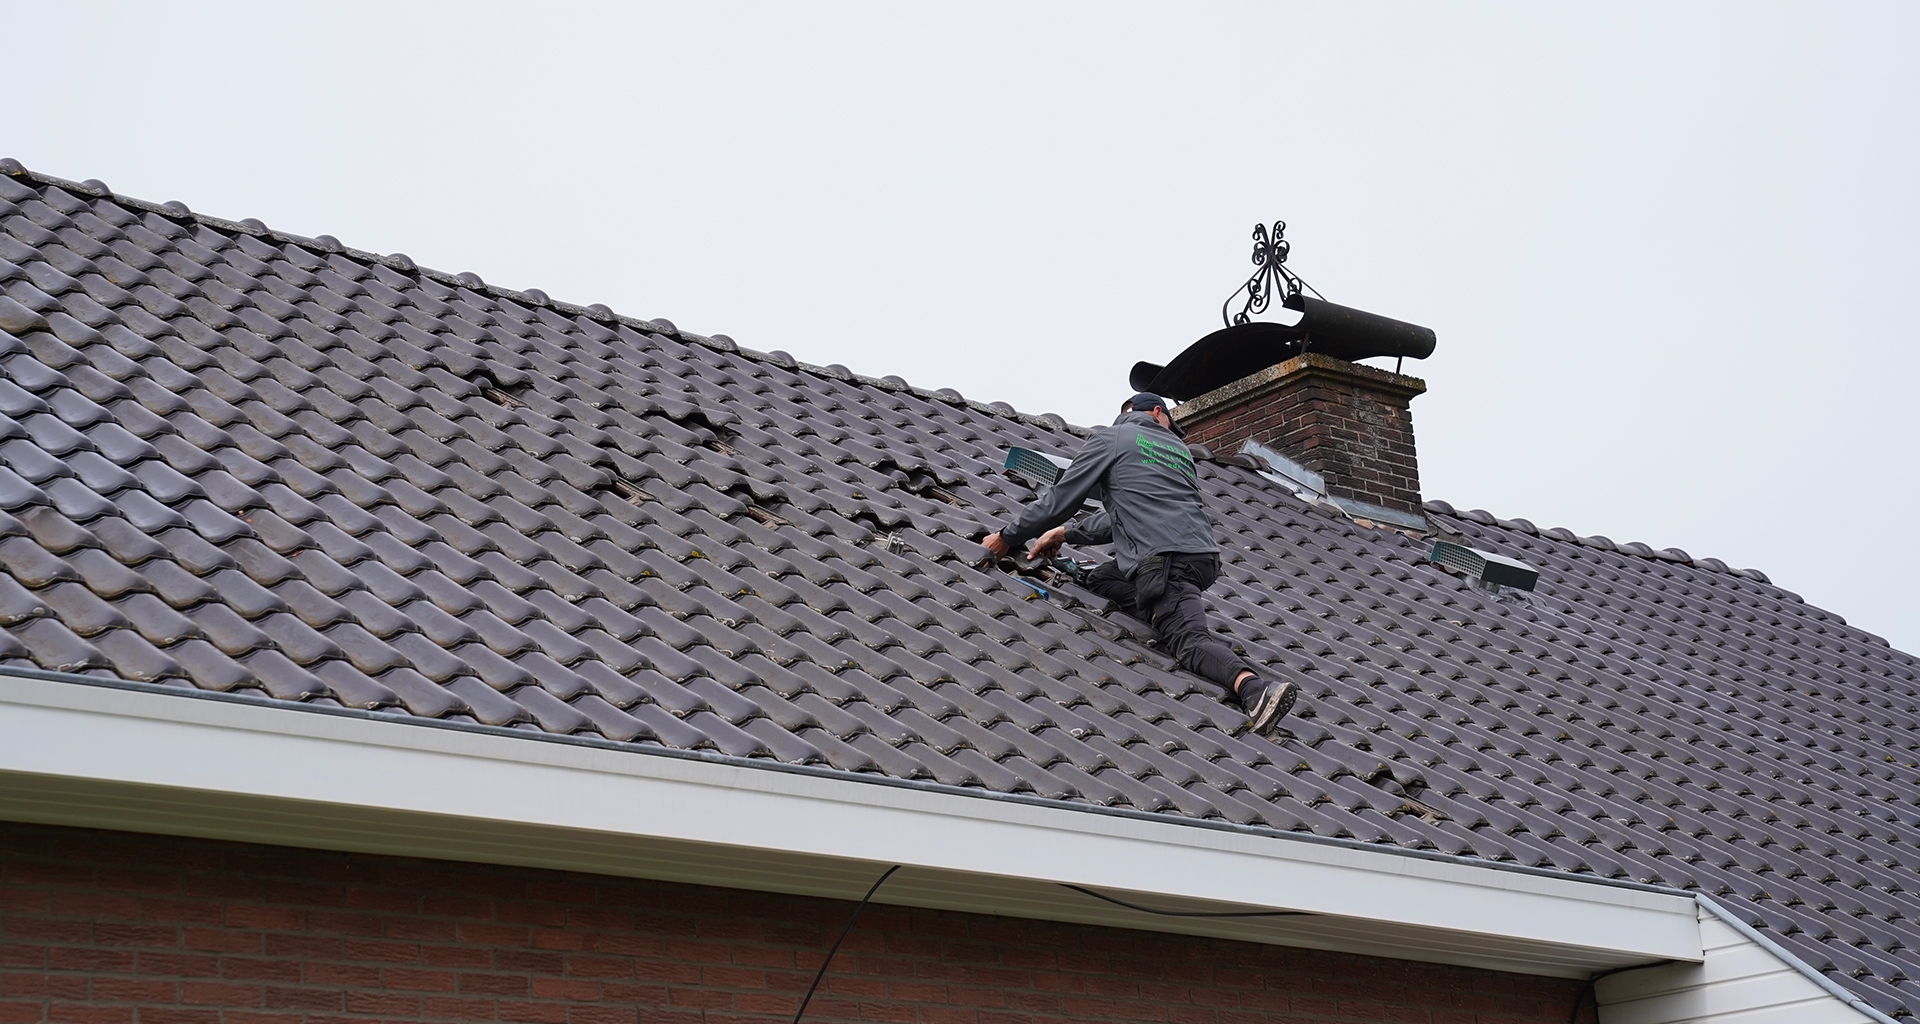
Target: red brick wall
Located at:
point(1351, 424)
point(117, 928)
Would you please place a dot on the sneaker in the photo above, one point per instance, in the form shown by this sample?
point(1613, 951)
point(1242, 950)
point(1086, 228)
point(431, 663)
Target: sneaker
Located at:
point(1266, 703)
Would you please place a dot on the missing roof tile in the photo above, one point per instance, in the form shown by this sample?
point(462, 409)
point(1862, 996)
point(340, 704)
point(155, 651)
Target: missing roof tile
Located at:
point(868, 519)
point(1409, 793)
point(920, 479)
point(629, 491)
point(693, 417)
point(687, 424)
point(924, 484)
point(751, 507)
point(504, 393)
point(762, 516)
point(500, 397)
point(624, 489)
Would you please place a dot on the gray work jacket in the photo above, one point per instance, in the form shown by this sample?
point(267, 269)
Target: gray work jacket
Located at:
point(1144, 476)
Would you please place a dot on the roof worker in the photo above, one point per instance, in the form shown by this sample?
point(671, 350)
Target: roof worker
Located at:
point(1163, 547)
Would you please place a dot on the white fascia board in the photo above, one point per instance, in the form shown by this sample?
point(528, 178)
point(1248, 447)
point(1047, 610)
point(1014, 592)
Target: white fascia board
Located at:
point(1741, 981)
point(159, 762)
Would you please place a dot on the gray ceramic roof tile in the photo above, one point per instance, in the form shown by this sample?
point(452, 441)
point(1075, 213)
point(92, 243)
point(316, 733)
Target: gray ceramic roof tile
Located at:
point(245, 463)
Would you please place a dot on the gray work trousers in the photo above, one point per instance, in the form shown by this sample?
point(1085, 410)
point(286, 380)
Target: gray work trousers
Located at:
point(1165, 591)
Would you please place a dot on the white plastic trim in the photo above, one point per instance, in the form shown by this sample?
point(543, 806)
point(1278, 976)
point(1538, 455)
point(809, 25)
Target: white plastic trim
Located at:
point(1745, 978)
point(118, 758)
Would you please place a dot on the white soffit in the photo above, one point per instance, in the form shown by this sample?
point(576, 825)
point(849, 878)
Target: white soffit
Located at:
point(107, 757)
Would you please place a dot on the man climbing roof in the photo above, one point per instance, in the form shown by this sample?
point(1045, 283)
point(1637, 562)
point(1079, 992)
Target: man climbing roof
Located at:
point(1163, 547)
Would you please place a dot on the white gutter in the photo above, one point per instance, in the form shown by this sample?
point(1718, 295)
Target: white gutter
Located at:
point(148, 760)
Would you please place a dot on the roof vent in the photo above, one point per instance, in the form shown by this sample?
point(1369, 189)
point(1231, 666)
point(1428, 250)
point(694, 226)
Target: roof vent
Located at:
point(1484, 567)
point(1037, 468)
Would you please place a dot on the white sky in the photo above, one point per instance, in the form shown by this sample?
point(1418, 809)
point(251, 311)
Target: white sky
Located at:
point(1668, 248)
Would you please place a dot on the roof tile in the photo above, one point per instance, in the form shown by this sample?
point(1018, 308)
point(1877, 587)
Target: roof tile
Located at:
point(262, 462)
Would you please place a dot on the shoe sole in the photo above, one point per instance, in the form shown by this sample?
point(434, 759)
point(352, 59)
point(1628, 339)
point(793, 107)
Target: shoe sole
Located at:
point(1273, 708)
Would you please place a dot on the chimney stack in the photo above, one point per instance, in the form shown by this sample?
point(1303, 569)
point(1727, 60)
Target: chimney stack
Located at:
point(1347, 422)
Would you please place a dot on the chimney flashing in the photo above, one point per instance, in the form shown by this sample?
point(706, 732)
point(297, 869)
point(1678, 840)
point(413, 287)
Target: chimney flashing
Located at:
point(1295, 475)
point(1416, 522)
point(1311, 488)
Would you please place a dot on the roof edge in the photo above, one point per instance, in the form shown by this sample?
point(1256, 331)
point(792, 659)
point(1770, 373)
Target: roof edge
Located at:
point(363, 785)
point(1786, 956)
point(598, 312)
point(821, 772)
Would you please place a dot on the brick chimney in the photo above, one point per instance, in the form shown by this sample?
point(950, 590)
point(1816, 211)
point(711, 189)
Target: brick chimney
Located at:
point(1347, 422)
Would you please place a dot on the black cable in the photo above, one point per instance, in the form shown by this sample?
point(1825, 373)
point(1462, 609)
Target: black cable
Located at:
point(1589, 989)
point(1187, 913)
point(1581, 997)
point(822, 973)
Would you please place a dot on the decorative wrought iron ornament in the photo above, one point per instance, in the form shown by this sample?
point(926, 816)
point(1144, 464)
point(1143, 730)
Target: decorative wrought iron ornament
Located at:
point(1270, 276)
point(1246, 346)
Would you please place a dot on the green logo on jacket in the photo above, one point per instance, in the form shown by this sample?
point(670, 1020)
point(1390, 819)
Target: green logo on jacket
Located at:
point(1165, 456)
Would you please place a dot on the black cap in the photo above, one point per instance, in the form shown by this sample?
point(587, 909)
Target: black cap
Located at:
point(1147, 401)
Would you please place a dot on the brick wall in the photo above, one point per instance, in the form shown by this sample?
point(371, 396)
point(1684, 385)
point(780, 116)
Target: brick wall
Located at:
point(1349, 423)
point(117, 928)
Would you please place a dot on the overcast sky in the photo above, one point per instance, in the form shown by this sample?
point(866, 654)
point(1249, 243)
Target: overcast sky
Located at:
point(1669, 249)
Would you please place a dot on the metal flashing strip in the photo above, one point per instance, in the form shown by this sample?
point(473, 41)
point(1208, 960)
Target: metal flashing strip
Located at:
point(1291, 472)
point(351, 782)
point(1380, 513)
point(1781, 953)
point(1311, 487)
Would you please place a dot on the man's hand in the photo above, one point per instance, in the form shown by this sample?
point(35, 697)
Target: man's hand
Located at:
point(995, 545)
point(1047, 544)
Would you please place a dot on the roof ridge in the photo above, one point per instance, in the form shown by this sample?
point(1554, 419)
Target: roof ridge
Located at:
point(402, 263)
point(1639, 549)
point(603, 313)
point(1604, 543)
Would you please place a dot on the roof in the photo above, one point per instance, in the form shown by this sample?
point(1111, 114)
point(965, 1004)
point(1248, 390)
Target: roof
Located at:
point(241, 460)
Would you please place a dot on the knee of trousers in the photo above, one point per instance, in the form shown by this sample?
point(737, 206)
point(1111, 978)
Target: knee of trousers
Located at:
point(1189, 640)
